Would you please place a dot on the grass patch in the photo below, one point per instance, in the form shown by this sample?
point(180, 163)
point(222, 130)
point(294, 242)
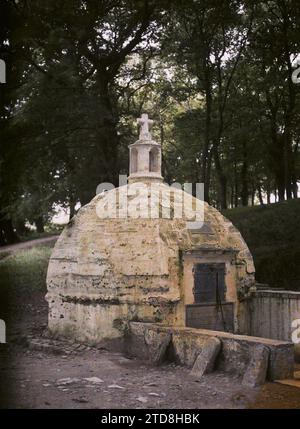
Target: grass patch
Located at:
point(4, 255)
point(49, 231)
point(273, 236)
point(25, 271)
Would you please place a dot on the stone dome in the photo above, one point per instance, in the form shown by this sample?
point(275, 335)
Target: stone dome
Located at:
point(105, 271)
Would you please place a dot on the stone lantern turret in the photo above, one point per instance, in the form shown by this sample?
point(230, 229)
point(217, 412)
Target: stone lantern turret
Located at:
point(145, 155)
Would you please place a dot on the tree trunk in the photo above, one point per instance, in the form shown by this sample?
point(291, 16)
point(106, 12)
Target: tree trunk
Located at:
point(244, 174)
point(236, 188)
point(253, 195)
point(39, 223)
point(222, 191)
point(295, 189)
point(72, 204)
point(287, 165)
point(260, 197)
point(232, 197)
point(268, 193)
point(206, 157)
point(72, 210)
point(7, 232)
point(21, 227)
point(281, 190)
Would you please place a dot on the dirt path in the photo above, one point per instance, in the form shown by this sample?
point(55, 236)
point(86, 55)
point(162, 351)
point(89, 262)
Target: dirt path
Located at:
point(13, 248)
point(101, 379)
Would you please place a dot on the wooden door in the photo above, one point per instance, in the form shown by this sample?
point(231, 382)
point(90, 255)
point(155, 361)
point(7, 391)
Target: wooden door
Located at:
point(209, 283)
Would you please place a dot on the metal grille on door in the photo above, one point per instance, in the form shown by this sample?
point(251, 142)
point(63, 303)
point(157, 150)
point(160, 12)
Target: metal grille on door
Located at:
point(210, 311)
point(209, 283)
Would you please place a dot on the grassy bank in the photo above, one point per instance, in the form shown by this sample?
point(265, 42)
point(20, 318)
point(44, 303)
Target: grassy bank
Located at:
point(273, 236)
point(49, 231)
point(25, 271)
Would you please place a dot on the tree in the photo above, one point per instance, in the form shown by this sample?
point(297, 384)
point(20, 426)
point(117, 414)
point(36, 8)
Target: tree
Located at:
point(208, 38)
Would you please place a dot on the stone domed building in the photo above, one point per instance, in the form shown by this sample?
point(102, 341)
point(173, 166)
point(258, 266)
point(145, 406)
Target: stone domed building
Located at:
point(134, 254)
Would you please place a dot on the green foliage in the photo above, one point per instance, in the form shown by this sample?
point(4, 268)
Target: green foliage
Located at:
point(60, 123)
point(50, 230)
point(215, 77)
point(273, 236)
point(4, 255)
point(24, 272)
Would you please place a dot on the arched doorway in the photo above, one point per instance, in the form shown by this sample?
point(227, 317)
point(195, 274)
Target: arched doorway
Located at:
point(153, 160)
point(134, 160)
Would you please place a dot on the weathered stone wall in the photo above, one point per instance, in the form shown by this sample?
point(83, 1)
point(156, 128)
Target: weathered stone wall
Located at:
point(270, 314)
point(187, 343)
point(105, 271)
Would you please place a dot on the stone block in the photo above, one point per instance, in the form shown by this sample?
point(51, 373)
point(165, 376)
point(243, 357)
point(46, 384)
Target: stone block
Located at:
point(256, 371)
point(235, 355)
point(186, 347)
point(281, 365)
point(158, 355)
point(297, 353)
point(205, 361)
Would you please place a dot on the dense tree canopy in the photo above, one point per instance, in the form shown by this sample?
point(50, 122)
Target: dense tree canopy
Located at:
point(214, 74)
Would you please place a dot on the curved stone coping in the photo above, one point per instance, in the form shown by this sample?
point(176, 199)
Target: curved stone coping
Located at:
point(218, 334)
point(290, 294)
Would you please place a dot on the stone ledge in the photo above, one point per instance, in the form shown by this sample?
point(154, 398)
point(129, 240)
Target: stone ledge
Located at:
point(285, 294)
point(234, 357)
